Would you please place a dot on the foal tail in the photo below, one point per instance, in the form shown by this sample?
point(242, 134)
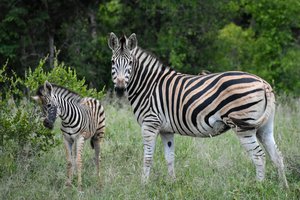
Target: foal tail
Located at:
point(97, 138)
point(92, 144)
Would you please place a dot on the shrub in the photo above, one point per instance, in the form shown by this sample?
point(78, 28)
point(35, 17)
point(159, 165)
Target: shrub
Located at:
point(60, 75)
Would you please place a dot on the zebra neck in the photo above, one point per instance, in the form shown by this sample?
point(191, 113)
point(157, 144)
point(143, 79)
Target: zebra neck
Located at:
point(146, 74)
point(67, 105)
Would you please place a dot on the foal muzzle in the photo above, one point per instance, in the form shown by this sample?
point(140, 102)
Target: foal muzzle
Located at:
point(50, 119)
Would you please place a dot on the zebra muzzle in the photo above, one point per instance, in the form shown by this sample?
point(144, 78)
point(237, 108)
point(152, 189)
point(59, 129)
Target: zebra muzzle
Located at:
point(120, 91)
point(48, 124)
point(50, 119)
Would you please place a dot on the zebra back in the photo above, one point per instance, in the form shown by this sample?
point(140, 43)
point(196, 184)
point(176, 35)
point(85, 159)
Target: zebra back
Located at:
point(79, 115)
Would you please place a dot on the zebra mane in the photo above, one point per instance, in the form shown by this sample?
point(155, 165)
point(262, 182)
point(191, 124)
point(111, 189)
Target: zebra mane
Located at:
point(59, 88)
point(153, 56)
point(123, 42)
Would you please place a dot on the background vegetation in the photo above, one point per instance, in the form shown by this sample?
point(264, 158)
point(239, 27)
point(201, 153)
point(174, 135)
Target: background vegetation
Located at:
point(65, 42)
point(261, 37)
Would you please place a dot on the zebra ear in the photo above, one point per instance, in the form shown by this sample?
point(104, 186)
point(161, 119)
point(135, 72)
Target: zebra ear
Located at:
point(132, 42)
point(47, 87)
point(113, 41)
point(36, 98)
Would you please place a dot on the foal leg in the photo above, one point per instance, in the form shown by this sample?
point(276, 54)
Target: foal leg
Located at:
point(68, 148)
point(249, 142)
point(80, 143)
point(168, 141)
point(96, 145)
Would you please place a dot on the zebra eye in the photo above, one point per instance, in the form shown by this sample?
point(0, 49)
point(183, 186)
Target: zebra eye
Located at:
point(48, 105)
point(113, 62)
point(130, 62)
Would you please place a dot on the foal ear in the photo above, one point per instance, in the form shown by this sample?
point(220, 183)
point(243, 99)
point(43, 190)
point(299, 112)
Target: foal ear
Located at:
point(113, 42)
point(132, 42)
point(48, 87)
point(36, 98)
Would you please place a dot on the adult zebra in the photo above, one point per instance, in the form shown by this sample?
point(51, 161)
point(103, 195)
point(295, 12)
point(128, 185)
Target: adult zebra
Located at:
point(166, 102)
point(82, 118)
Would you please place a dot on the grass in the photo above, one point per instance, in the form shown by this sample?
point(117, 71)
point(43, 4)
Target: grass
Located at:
point(216, 168)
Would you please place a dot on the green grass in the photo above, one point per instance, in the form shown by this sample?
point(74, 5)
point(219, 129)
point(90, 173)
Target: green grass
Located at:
point(212, 168)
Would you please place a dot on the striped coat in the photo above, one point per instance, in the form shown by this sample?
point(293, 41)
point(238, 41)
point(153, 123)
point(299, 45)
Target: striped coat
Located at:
point(81, 119)
point(166, 102)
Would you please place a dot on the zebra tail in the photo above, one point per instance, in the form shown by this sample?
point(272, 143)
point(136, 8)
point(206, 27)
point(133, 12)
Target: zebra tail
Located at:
point(92, 143)
point(270, 103)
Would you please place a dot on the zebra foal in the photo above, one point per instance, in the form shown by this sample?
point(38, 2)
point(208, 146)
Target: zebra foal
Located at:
point(82, 118)
point(166, 102)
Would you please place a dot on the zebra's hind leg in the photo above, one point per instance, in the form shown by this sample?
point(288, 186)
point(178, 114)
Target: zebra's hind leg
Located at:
point(265, 136)
point(68, 148)
point(149, 132)
point(168, 141)
point(95, 141)
point(249, 142)
point(80, 143)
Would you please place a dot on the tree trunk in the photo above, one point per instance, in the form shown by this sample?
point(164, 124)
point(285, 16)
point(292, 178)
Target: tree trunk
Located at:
point(93, 23)
point(51, 50)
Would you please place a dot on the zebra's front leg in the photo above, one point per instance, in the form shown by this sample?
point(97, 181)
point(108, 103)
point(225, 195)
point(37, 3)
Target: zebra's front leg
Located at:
point(68, 148)
point(168, 141)
point(80, 143)
point(149, 133)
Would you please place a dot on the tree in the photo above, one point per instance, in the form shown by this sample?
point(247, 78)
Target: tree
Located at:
point(261, 37)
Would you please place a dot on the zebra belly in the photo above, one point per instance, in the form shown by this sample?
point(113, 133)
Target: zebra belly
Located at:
point(216, 127)
point(72, 133)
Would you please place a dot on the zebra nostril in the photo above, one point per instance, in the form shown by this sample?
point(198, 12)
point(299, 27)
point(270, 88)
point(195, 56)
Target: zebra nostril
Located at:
point(120, 82)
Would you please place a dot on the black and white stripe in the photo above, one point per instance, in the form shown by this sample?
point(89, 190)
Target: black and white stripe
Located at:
point(166, 102)
point(81, 119)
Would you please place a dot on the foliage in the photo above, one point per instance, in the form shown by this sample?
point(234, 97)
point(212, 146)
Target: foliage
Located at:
point(260, 37)
point(26, 27)
point(60, 75)
point(21, 131)
point(234, 48)
point(264, 43)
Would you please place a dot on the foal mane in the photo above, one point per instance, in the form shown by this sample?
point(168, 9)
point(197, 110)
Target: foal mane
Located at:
point(57, 88)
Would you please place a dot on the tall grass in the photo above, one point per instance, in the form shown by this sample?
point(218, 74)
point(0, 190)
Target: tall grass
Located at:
point(211, 168)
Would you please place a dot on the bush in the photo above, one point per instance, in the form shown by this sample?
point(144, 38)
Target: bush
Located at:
point(60, 75)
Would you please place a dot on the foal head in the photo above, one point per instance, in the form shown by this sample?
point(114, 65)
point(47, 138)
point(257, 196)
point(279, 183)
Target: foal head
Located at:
point(44, 95)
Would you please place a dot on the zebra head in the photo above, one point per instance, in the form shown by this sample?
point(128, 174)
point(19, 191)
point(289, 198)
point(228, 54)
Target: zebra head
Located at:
point(122, 60)
point(48, 102)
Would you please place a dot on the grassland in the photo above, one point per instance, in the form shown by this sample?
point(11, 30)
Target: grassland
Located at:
point(213, 168)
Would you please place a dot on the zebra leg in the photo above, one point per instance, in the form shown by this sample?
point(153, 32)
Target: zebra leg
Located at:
point(265, 136)
point(249, 142)
point(80, 143)
point(149, 138)
point(68, 147)
point(96, 144)
point(168, 141)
